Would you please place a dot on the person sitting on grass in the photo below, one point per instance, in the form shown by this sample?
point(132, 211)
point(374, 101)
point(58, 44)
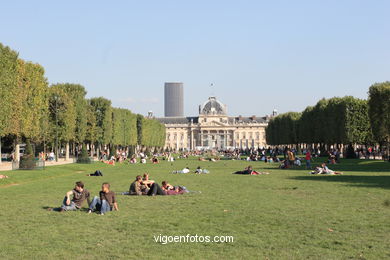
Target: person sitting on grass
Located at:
point(185, 170)
point(133, 160)
point(146, 183)
point(285, 164)
point(297, 162)
point(201, 171)
point(331, 158)
point(79, 196)
point(105, 202)
point(136, 187)
point(155, 160)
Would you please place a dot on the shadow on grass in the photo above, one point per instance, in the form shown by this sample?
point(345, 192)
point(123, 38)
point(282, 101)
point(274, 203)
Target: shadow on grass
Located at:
point(346, 165)
point(58, 209)
point(357, 181)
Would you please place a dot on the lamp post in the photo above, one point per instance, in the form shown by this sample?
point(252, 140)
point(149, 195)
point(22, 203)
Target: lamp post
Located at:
point(124, 135)
point(56, 112)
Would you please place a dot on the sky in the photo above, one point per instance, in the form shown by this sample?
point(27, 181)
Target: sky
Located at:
point(259, 55)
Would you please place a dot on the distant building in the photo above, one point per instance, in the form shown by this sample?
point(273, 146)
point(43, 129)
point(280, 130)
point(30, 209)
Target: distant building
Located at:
point(214, 129)
point(174, 100)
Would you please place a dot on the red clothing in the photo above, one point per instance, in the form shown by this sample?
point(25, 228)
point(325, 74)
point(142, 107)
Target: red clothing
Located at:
point(173, 192)
point(308, 156)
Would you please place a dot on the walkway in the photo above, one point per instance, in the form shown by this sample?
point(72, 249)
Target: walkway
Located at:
point(7, 166)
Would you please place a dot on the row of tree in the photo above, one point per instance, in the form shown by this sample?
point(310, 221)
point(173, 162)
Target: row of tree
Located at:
point(60, 114)
point(346, 120)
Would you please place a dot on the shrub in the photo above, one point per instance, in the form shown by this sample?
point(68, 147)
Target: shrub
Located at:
point(83, 158)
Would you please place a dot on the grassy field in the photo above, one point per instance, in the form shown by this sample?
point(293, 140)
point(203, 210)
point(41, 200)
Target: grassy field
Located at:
point(287, 214)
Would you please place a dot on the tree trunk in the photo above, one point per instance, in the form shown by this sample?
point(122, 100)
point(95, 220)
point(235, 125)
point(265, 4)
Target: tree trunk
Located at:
point(17, 152)
point(98, 151)
point(0, 152)
point(67, 152)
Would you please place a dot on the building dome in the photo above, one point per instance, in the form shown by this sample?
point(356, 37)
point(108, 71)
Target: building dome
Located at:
point(213, 107)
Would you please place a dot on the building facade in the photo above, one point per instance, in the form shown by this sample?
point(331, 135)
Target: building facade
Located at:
point(174, 99)
point(214, 129)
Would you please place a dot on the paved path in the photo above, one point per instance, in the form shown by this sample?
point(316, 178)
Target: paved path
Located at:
point(7, 166)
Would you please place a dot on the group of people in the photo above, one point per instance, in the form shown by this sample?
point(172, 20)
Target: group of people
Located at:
point(106, 201)
point(74, 199)
point(145, 186)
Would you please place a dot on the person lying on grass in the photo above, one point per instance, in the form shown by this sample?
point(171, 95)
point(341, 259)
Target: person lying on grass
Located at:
point(105, 202)
point(166, 186)
point(79, 196)
point(110, 162)
point(96, 173)
point(200, 170)
point(3, 176)
point(185, 170)
point(249, 171)
point(324, 170)
point(166, 189)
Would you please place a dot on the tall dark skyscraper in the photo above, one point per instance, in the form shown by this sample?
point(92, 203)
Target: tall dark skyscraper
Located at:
point(173, 99)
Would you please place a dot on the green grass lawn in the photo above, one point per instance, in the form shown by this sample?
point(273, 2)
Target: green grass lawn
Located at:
point(287, 214)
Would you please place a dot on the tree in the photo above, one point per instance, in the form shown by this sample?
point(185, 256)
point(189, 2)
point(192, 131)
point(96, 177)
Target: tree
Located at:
point(124, 127)
point(8, 84)
point(77, 94)
point(91, 132)
point(379, 113)
point(35, 100)
point(103, 114)
point(62, 116)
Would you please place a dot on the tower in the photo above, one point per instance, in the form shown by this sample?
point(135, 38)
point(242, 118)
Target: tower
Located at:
point(173, 99)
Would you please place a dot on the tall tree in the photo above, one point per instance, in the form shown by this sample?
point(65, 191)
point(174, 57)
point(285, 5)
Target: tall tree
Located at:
point(8, 85)
point(91, 133)
point(103, 114)
point(379, 113)
point(62, 116)
point(77, 94)
point(35, 100)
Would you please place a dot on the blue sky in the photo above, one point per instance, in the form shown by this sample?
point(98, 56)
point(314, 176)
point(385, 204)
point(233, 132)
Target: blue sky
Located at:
point(260, 55)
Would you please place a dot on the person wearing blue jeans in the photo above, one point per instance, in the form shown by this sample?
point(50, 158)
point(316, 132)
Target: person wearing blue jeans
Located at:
point(79, 196)
point(100, 205)
point(105, 202)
